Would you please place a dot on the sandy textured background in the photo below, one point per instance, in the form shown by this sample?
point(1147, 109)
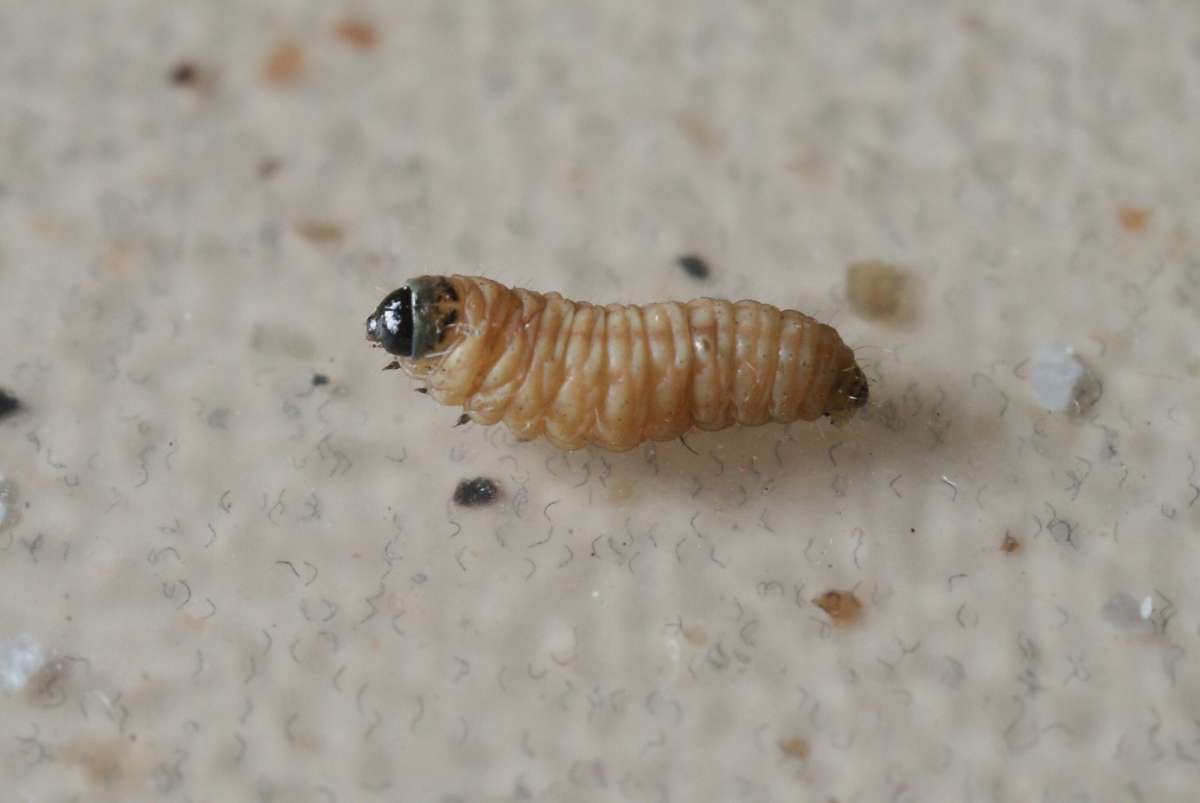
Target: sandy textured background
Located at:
point(248, 587)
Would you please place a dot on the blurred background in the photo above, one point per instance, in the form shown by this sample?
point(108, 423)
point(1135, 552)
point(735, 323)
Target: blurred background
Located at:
point(232, 561)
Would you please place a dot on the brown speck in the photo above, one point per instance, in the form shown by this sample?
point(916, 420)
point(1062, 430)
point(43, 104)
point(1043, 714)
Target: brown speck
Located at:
point(1134, 219)
point(53, 227)
point(879, 292)
point(356, 33)
point(620, 491)
point(101, 762)
point(195, 623)
point(1010, 545)
point(697, 131)
point(307, 742)
point(118, 260)
point(695, 635)
point(843, 608)
point(795, 747)
point(320, 231)
point(184, 74)
point(284, 64)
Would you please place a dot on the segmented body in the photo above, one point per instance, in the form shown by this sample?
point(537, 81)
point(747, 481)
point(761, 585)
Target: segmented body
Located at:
point(618, 375)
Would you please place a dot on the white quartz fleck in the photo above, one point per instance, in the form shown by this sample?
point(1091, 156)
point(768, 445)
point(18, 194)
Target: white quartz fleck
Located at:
point(1056, 376)
point(20, 659)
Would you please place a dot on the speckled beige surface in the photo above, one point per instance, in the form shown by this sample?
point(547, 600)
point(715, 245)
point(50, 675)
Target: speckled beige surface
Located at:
point(249, 587)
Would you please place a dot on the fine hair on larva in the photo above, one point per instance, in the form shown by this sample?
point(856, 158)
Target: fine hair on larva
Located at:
point(613, 375)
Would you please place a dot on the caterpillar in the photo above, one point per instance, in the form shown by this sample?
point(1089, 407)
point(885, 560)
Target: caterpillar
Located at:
point(613, 376)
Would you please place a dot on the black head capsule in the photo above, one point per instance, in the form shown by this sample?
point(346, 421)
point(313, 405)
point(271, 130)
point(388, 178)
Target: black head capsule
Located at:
point(412, 322)
point(391, 324)
point(852, 393)
point(858, 389)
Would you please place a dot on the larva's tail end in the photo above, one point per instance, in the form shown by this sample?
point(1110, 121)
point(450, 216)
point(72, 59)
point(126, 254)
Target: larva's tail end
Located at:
point(848, 396)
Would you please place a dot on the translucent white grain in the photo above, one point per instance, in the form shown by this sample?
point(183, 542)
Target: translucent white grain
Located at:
point(20, 659)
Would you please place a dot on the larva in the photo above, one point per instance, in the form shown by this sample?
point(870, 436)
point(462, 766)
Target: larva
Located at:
point(614, 375)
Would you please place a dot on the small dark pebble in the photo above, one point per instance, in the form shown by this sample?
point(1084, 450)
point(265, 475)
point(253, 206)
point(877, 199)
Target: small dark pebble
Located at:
point(694, 266)
point(8, 403)
point(184, 73)
point(476, 493)
point(320, 379)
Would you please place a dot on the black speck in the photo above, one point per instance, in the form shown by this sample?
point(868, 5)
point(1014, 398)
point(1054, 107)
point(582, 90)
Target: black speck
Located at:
point(694, 266)
point(8, 403)
point(319, 379)
point(476, 493)
point(184, 74)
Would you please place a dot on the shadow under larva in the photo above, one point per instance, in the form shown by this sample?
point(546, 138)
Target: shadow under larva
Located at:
point(613, 376)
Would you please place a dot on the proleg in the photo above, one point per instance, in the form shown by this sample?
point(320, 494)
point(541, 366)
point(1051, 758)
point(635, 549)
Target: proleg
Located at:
point(613, 376)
